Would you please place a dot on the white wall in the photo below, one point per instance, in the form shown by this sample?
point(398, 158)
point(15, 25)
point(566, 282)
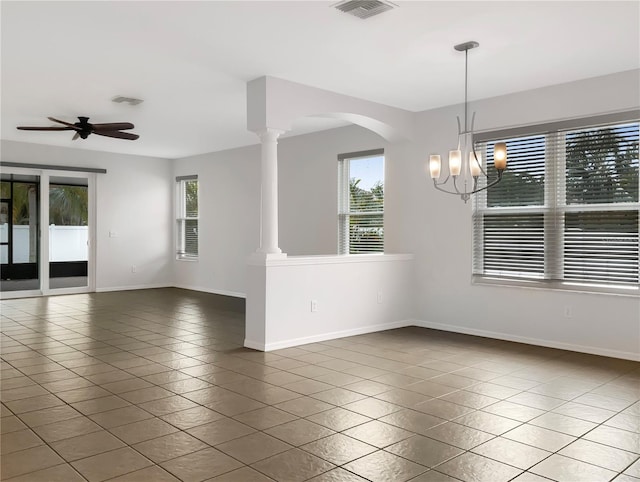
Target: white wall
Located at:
point(308, 187)
point(229, 220)
point(133, 201)
point(437, 228)
point(352, 294)
point(229, 206)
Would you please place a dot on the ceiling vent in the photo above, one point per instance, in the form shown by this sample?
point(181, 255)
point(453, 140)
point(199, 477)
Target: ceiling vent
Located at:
point(364, 8)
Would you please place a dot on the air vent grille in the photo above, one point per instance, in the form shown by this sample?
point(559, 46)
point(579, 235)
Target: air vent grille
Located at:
point(364, 8)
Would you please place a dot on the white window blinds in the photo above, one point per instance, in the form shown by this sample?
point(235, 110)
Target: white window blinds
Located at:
point(361, 202)
point(567, 208)
point(187, 217)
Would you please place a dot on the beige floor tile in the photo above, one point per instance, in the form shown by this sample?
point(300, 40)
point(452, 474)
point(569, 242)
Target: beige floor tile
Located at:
point(338, 475)
point(424, 451)
point(97, 405)
point(382, 466)
point(511, 452)
point(111, 464)
point(201, 465)
point(145, 395)
point(19, 440)
point(539, 437)
point(58, 473)
point(143, 430)
point(64, 429)
point(458, 435)
point(167, 405)
point(615, 437)
point(244, 474)
point(372, 407)
point(11, 424)
point(487, 422)
point(378, 433)
point(169, 446)
point(192, 417)
point(293, 466)
point(86, 445)
point(299, 432)
point(34, 403)
point(338, 449)
point(338, 419)
point(414, 421)
point(220, 431)
point(254, 447)
point(29, 460)
point(558, 467)
point(120, 416)
point(515, 411)
point(149, 474)
point(474, 468)
point(264, 418)
point(598, 454)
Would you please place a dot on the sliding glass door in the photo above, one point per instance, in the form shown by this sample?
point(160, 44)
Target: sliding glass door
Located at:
point(46, 232)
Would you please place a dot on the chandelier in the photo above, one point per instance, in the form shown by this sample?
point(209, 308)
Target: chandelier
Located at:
point(465, 163)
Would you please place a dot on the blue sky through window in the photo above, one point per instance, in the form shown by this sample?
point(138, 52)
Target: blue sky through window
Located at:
point(369, 169)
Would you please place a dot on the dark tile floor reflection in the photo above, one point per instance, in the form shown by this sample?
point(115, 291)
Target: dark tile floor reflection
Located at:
point(154, 385)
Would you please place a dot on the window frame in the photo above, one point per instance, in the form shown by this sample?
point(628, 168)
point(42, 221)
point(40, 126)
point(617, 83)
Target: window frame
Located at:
point(554, 209)
point(182, 217)
point(344, 206)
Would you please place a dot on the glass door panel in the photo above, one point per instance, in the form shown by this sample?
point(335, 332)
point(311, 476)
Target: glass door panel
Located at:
point(68, 232)
point(19, 233)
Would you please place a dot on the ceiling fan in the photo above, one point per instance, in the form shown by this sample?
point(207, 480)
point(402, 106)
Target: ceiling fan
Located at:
point(84, 128)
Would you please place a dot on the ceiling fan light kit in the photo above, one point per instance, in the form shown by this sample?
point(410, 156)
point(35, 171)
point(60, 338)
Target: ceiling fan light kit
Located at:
point(84, 129)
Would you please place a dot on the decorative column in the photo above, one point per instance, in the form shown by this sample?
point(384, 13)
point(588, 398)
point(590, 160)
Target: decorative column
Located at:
point(269, 194)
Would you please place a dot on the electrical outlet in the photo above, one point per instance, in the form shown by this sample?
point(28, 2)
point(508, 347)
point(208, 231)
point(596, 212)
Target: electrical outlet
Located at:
point(379, 297)
point(568, 311)
point(134, 268)
point(314, 306)
point(113, 234)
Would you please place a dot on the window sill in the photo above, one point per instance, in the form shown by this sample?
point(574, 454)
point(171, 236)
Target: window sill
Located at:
point(558, 286)
point(189, 259)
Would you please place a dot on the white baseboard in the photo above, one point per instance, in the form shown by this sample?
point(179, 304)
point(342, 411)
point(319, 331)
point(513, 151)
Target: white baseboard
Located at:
point(133, 287)
point(593, 350)
point(325, 336)
point(234, 294)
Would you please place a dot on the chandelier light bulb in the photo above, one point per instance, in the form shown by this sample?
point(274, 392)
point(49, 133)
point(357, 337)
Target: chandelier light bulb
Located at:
point(500, 156)
point(474, 165)
point(435, 165)
point(455, 162)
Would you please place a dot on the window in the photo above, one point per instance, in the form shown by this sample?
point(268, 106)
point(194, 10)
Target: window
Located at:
point(566, 212)
point(361, 202)
point(187, 217)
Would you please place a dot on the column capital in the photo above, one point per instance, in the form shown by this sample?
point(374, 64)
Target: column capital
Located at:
point(269, 134)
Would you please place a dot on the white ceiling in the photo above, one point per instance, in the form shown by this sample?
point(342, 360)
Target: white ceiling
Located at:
point(190, 61)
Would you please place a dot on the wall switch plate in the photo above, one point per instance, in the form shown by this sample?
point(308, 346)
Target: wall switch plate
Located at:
point(113, 234)
point(379, 297)
point(134, 268)
point(314, 306)
point(568, 311)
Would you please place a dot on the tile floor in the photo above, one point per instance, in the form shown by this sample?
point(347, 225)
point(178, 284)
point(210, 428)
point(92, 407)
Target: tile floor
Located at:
point(154, 386)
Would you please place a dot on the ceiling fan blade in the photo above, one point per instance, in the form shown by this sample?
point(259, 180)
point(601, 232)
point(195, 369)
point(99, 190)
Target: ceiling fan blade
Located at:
point(117, 135)
point(113, 126)
point(76, 136)
point(72, 126)
point(24, 128)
